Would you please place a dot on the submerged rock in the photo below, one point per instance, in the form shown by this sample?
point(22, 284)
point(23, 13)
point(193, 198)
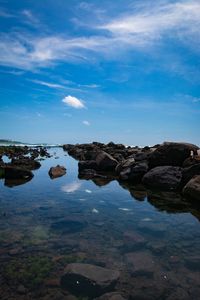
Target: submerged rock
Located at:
point(111, 296)
point(141, 263)
point(88, 280)
point(165, 178)
point(57, 171)
point(192, 189)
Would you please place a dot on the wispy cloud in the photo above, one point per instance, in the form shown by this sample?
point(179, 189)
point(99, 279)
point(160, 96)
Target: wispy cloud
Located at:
point(49, 84)
point(73, 102)
point(87, 123)
point(134, 29)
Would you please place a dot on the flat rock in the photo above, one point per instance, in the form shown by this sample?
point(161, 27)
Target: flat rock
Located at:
point(164, 178)
point(192, 189)
point(88, 280)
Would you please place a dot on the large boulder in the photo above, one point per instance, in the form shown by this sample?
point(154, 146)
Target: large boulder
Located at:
point(171, 154)
point(88, 280)
point(57, 171)
point(164, 178)
point(106, 162)
point(192, 189)
point(11, 172)
point(135, 172)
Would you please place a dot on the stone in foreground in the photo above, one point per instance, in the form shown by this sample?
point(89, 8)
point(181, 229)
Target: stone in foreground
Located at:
point(192, 189)
point(57, 171)
point(88, 280)
point(165, 178)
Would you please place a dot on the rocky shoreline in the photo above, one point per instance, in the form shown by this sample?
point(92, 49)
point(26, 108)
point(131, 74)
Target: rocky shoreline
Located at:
point(167, 167)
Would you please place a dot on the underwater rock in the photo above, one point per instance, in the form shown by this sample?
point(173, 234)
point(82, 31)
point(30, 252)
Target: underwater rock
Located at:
point(111, 296)
point(88, 280)
point(57, 171)
point(68, 226)
point(140, 263)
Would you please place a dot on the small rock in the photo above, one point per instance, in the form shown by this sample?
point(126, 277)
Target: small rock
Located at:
point(57, 171)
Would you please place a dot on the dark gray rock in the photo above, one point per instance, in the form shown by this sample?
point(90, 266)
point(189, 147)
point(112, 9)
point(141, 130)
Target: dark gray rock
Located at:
point(189, 173)
point(141, 263)
point(57, 171)
point(17, 173)
point(88, 164)
point(192, 189)
point(165, 178)
point(106, 162)
point(88, 280)
point(171, 154)
point(26, 163)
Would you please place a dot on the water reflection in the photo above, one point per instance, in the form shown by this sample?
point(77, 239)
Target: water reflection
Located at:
point(152, 238)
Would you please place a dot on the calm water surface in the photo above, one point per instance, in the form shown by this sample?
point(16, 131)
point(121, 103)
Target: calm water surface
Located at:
point(46, 224)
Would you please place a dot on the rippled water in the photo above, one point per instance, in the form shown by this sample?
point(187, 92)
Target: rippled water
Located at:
point(46, 224)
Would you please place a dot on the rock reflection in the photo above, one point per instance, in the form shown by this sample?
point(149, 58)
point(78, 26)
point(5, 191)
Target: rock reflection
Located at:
point(15, 182)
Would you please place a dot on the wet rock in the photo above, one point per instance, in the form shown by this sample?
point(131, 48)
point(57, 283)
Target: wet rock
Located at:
point(178, 294)
point(140, 263)
point(189, 173)
point(17, 173)
point(171, 154)
point(88, 280)
point(192, 189)
point(125, 165)
point(26, 163)
point(57, 171)
point(106, 162)
point(111, 296)
point(88, 164)
point(165, 178)
point(156, 229)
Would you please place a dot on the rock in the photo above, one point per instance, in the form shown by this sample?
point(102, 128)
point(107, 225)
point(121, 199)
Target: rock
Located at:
point(165, 178)
point(21, 289)
point(11, 172)
point(88, 164)
point(57, 171)
point(125, 164)
point(140, 156)
point(26, 163)
point(190, 161)
point(140, 263)
point(111, 296)
point(189, 173)
point(132, 241)
point(192, 189)
point(106, 162)
point(171, 154)
point(88, 280)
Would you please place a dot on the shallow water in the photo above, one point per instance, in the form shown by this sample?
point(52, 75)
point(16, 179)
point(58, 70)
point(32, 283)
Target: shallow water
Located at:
point(46, 224)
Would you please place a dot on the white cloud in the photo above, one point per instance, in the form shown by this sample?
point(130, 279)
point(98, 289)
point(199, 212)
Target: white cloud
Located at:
point(49, 84)
point(71, 187)
point(87, 123)
point(73, 102)
point(135, 29)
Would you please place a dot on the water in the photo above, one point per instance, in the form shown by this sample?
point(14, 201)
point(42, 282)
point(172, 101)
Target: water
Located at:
point(46, 224)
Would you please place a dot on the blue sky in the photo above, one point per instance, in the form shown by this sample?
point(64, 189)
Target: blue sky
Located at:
point(78, 71)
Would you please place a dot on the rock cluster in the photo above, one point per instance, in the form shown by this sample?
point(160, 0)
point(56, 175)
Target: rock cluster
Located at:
point(22, 162)
point(166, 167)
